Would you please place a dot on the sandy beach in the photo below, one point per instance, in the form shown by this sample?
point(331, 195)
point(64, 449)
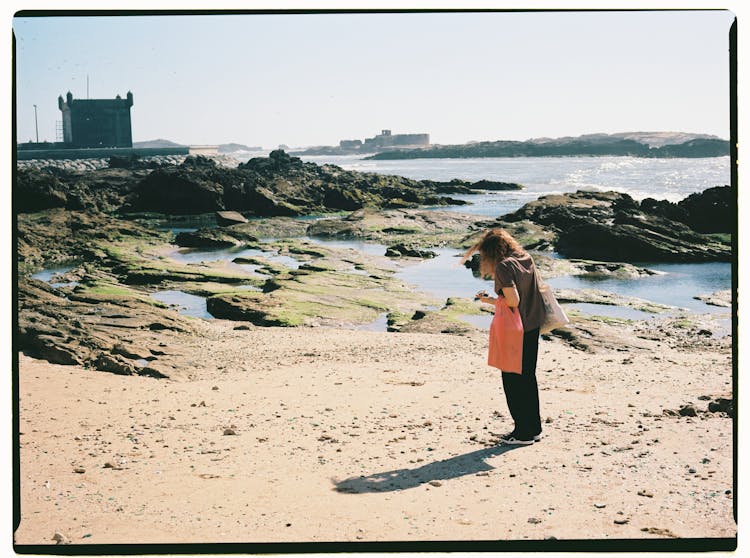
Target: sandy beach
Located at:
point(321, 434)
point(246, 309)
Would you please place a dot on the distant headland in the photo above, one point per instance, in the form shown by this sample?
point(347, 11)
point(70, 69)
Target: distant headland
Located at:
point(633, 144)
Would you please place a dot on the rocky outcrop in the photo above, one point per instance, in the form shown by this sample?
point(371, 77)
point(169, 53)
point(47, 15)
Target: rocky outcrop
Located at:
point(36, 190)
point(56, 236)
point(328, 291)
point(249, 307)
point(722, 405)
point(611, 226)
point(710, 211)
point(217, 237)
point(226, 218)
point(458, 186)
point(278, 185)
point(495, 186)
point(99, 190)
point(414, 227)
point(178, 192)
point(204, 238)
point(718, 298)
point(61, 328)
point(403, 250)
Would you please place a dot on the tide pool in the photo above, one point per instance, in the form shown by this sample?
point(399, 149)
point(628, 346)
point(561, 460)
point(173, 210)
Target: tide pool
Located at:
point(186, 304)
point(676, 285)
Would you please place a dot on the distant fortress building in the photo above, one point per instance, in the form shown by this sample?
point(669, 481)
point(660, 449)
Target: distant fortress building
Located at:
point(386, 139)
point(96, 122)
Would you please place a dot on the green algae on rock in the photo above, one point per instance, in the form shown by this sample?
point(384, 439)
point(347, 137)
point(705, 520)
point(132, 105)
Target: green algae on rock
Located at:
point(324, 291)
point(418, 228)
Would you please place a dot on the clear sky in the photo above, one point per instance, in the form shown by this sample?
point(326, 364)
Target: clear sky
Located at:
point(313, 79)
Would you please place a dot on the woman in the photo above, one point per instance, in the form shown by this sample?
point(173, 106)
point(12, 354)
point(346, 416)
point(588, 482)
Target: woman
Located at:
point(503, 259)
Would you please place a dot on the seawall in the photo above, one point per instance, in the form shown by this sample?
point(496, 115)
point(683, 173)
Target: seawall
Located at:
point(103, 153)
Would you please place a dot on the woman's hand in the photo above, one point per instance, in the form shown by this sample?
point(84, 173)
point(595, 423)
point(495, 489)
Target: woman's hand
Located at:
point(482, 296)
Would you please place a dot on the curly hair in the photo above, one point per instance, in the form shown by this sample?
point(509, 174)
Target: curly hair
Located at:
point(494, 246)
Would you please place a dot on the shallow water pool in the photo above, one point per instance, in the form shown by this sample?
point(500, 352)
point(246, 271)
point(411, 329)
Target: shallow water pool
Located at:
point(186, 304)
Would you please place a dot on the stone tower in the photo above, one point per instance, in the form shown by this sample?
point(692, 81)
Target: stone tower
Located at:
point(96, 122)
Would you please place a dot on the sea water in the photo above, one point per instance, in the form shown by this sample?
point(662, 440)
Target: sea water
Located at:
point(668, 179)
point(676, 285)
point(184, 303)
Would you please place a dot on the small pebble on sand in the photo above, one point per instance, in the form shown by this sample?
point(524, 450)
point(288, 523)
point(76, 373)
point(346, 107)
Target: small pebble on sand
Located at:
point(59, 538)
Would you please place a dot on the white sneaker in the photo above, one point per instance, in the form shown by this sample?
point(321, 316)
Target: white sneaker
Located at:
point(511, 440)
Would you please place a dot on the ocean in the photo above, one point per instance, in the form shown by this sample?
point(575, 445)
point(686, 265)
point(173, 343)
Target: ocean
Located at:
point(669, 179)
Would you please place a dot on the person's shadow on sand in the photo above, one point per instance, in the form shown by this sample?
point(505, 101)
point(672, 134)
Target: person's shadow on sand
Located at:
point(400, 479)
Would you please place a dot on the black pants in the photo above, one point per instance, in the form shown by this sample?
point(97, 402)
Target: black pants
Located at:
point(521, 391)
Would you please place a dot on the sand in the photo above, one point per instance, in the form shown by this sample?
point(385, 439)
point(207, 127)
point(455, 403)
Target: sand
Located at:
point(319, 434)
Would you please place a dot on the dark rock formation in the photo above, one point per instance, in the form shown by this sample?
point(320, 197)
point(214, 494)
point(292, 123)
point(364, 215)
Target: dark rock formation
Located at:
point(494, 185)
point(688, 411)
point(242, 308)
point(225, 218)
point(710, 211)
point(36, 190)
point(401, 250)
point(722, 405)
point(177, 191)
point(101, 190)
point(664, 208)
point(611, 226)
point(458, 186)
point(204, 238)
point(222, 237)
point(278, 185)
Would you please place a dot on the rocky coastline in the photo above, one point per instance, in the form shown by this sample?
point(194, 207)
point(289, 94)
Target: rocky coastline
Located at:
point(110, 228)
point(237, 428)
